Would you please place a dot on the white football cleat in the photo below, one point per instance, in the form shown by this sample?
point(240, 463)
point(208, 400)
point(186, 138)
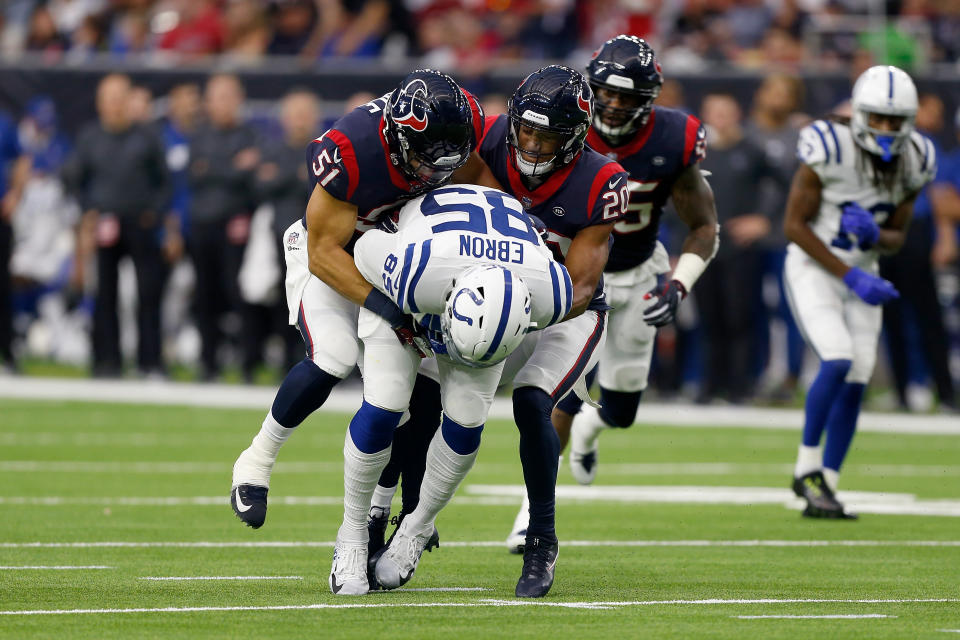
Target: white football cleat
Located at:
point(348, 575)
point(399, 561)
point(584, 434)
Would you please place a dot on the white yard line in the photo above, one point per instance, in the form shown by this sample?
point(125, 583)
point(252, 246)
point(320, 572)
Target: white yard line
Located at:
point(498, 495)
point(839, 616)
point(486, 602)
point(346, 399)
point(179, 578)
point(658, 469)
point(486, 544)
point(55, 568)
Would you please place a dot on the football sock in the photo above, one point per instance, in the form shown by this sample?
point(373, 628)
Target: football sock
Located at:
point(820, 399)
point(449, 458)
point(360, 473)
point(539, 449)
point(809, 459)
point(256, 462)
point(619, 408)
point(841, 424)
point(425, 414)
point(383, 497)
point(831, 477)
point(571, 403)
point(589, 425)
point(303, 391)
point(391, 473)
point(522, 520)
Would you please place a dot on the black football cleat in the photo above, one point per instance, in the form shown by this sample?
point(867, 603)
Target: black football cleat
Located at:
point(539, 562)
point(374, 556)
point(249, 502)
point(821, 502)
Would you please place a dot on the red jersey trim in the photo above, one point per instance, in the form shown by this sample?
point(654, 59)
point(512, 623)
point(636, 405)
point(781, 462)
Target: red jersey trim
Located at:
point(542, 193)
point(600, 183)
point(690, 139)
point(349, 158)
point(640, 138)
point(479, 123)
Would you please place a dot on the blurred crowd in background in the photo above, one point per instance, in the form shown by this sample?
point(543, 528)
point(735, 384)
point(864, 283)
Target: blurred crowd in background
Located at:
point(475, 36)
point(148, 241)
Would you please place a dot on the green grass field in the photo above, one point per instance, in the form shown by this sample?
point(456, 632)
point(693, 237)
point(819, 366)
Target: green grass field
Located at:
point(78, 478)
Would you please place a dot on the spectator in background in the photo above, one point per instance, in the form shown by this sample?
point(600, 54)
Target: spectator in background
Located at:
point(12, 168)
point(42, 34)
point(183, 115)
point(351, 28)
point(247, 30)
point(282, 182)
point(917, 315)
point(199, 32)
point(774, 127)
point(140, 104)
point(223, 162)
point(119, 175)
point(293, 23)
point(728, 289)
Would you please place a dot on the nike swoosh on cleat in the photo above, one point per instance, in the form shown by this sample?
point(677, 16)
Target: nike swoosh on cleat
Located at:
point(241, 507)
point(407, 577)
point(613, 183)
point(333, 584)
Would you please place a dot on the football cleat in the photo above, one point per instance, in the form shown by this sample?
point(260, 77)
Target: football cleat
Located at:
point(377, 521)
point(539, 562)
point(249, 502)
point(348, 575)
point(821, 501)
point(400, 557)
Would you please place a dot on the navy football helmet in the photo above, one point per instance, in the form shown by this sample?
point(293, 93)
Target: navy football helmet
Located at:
point(627, 65)
point(556, 103)
point(428, 124)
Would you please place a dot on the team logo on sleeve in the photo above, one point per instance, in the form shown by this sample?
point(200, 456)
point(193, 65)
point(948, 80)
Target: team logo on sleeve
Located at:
point(410, 110)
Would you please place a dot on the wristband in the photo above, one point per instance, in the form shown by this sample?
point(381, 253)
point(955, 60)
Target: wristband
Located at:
point(384, 307)
point(689, 267)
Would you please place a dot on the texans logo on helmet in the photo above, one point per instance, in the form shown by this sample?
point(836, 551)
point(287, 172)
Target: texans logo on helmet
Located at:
point(583, 104)
point(408, 111)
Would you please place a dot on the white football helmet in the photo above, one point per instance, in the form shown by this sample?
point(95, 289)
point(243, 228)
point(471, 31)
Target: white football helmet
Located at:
point(486, 316)
point(886, 90)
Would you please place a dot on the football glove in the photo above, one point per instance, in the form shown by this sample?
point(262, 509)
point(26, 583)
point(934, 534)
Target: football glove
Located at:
point(870, 288)
point(413, 335)
point(665, 303)
point(859, 222)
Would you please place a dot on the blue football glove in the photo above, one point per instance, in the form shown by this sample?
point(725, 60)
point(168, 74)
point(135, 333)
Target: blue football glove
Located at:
point(871, 289)
point(859, 222)
point(665, 303)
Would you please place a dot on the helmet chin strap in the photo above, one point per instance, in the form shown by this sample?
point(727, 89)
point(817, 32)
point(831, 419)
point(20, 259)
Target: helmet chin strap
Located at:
point(621, 131)
point(533, 169)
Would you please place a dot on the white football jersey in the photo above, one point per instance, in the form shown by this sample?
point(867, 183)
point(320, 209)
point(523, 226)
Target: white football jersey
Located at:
point(450, 229)
point(829, 149)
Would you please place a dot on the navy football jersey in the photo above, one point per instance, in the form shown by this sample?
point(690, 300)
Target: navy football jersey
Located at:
point(351, 162)
point(670, 142)
point(591, 190)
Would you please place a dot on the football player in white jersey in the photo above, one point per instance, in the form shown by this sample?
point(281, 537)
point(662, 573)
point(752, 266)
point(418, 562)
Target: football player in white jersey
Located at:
point(469, 265)
point(851, 199)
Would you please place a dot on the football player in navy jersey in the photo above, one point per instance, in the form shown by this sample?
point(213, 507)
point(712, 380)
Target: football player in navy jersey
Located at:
point(372, 160)
point(660, 148)
point(536, 151)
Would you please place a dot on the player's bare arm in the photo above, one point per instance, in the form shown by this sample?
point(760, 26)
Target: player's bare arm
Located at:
point(693, 199)
point(585, 261)
point(476, 171)
point(893, 232)
point(803, 203)
point(330, 225)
